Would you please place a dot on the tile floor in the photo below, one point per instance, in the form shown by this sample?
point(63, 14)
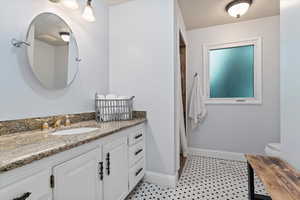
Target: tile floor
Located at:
point(203, 178)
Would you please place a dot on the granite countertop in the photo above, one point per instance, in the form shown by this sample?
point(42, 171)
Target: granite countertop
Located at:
point(19, 149)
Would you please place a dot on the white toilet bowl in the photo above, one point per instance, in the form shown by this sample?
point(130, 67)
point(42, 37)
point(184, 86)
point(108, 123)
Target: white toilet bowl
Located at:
point(273, 149)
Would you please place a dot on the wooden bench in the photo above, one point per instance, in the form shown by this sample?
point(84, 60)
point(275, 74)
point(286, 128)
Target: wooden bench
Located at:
point(281, 181)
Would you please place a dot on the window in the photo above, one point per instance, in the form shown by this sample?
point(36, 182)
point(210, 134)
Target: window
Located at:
point(233, 72)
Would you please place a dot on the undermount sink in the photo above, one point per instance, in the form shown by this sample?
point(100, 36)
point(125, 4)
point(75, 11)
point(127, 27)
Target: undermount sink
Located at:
point(74, 131)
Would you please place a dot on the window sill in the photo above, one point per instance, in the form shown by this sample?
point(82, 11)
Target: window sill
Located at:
point(233, 101)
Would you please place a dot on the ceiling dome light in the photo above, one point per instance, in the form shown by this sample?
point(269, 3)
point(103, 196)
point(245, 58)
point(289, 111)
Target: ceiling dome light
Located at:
point(72, 4)
point(238, 8)
point(88, 13)
point(65, 36)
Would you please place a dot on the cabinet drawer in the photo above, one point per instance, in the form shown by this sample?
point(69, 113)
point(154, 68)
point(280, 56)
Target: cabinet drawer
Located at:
point(136, 173)
point(136, 136)
point(35, 187)
point(136, 153)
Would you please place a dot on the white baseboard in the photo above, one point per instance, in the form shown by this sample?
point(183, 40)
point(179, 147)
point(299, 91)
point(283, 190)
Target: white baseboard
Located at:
point(163, 180)
point(217, 154)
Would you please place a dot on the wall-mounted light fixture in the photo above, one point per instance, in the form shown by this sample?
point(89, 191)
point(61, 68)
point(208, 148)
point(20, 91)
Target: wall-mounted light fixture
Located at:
point(72, 4)
point(237, 8)
point(65, 36)
point(88, 13)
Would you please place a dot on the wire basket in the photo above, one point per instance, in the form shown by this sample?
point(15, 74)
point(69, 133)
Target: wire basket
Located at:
point(113, 109)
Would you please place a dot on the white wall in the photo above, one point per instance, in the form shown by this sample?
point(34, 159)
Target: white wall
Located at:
point(22, 95)
point(50, 64)
point(61, 65)
point(240, 128)
point(180, 21)
point(141, 60)
point(44, 62)
point(290, 82)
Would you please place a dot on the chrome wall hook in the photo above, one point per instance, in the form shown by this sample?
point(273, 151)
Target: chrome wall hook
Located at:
point(78, 59)
point(18, 43)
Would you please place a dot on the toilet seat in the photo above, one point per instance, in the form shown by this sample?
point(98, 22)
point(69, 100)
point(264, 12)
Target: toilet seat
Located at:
point(273, 149)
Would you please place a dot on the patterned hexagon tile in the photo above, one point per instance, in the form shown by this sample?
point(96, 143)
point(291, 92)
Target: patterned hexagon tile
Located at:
point(203, 178)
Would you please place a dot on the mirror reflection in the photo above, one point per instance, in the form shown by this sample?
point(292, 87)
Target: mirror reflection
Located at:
point(53, 51)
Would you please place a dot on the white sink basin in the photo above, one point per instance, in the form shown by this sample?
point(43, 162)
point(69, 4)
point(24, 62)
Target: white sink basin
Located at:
point(74, 131)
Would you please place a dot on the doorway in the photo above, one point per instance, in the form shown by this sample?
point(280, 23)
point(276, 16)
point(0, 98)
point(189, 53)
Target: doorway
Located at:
point(183, 70)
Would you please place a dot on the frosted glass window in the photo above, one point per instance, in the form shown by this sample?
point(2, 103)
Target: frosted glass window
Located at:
point(231, 72)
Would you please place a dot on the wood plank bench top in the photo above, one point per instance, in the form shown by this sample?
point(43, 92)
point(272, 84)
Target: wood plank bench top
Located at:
point(281, 180)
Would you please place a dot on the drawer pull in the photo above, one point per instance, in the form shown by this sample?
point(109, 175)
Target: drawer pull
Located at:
point(138, 172)
point(24, 196)
point(101, 170)
point(138, 152)
point(108, 163)
point(138, 136)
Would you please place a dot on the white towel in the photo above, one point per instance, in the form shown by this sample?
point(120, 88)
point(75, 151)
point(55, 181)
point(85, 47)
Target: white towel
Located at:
point(197, 109)
point(111, 96)
point(123, 109)
point(100, 96)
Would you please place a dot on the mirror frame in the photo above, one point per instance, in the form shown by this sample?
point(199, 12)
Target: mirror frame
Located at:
point(78, 60)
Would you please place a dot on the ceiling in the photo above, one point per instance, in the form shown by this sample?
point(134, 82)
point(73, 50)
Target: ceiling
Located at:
point(204, 13)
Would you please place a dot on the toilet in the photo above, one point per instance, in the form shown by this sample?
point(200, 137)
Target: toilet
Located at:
point(273, 149)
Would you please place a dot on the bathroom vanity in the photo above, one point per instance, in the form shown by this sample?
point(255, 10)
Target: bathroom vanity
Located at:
point(85, 161)
point(106, 163)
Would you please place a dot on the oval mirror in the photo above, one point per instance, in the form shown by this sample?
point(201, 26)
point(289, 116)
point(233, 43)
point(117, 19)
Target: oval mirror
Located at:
point(53, 51)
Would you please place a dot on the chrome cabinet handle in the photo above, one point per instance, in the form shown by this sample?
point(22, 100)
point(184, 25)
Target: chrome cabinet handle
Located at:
point(137, 152)
point(24, 196)
point(78, 59)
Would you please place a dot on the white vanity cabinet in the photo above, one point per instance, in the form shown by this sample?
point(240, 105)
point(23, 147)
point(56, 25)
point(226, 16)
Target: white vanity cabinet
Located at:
point(79, 178)
point(116, 169)
point(136, 143)
point(105, 169)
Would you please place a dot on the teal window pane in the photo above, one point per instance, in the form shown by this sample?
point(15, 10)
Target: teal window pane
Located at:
point(231, 72)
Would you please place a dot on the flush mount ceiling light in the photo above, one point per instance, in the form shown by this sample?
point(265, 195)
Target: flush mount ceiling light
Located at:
point(72, 4)
point(88, 13)
point(237, 8)
point(65, 36)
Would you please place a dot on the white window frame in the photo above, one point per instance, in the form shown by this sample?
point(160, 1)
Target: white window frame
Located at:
point(257, 42)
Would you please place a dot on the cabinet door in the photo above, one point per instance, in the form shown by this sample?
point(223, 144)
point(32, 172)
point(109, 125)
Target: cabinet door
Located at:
point(116, 172)
point(79, 178)
point(35, 187)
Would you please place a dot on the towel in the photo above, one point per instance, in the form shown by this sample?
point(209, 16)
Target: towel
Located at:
point(100, 96)
point(124, 109)
point(111, 96)
point(197, 109)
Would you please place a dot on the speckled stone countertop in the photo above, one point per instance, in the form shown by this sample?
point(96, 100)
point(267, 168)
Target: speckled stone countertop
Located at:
point(19, 149)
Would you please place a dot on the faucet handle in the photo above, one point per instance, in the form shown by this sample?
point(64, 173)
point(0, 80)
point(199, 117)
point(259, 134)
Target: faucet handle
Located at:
point(57, 123)
point(68, 122)
point(45, 126)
